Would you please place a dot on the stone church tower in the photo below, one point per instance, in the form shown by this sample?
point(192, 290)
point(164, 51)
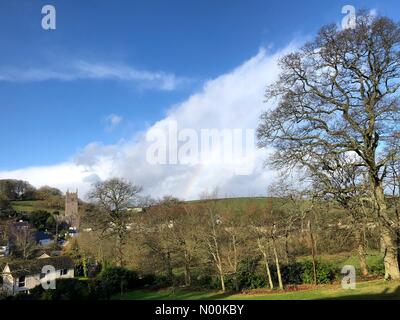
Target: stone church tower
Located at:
point(72, 209)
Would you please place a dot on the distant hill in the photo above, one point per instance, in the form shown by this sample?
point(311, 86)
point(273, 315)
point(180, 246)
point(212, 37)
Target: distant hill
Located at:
point(240, 202)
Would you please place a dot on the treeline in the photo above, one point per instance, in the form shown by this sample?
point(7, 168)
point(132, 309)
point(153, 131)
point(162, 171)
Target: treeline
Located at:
point(16, 190)
point(228, 245)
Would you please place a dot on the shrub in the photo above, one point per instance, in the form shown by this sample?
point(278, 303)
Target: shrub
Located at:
point(292, 273)
point(205, 278)
point(377, 269)
point(325, 272)
point(209, 282)
point(66, 289)
point(247, 276)
point(118, 279)
point(155, 281)
point(97, 290)
point(42, 220)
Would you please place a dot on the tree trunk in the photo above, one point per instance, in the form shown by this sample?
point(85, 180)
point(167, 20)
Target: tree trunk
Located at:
point(188, 276)
point(85, 266)
point(278, 268)
point(235, 262)
point(388, 234)
point(361, 251)
point(312, 245)
point(271, 284)
point(288, 255)
point(398, 229)
point(120, 251)
point(222, 279)
point(168, 265)
point(389, 250)
point(260, 247)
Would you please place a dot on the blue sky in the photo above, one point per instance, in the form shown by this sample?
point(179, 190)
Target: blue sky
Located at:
point(131, 59)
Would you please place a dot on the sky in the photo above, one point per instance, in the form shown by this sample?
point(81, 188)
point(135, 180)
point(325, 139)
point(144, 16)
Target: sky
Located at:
point(78, 102)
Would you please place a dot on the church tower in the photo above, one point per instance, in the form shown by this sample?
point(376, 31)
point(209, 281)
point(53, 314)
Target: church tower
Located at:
point(72, 209)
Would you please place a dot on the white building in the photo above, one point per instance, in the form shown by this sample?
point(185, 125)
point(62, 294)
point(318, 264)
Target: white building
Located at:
point(4, 249)
point(134, 209)
point(22, 276)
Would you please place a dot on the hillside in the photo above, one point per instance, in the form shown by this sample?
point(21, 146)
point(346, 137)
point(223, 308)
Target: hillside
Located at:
point(29, 206)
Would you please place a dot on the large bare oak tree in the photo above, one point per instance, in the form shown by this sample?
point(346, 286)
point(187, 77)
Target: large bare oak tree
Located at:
point(338, 95)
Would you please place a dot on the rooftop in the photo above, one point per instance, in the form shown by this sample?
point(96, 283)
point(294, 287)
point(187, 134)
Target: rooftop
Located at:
point(31, 267)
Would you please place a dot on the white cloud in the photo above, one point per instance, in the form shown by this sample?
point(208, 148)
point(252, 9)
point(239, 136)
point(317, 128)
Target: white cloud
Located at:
point(112, 121)
point(84, 70)
point(373, 12)
point(233, 100)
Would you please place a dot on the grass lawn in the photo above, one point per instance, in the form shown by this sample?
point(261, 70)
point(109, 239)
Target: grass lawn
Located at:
point(30, 206)
point(371, 290)
point(374, 259)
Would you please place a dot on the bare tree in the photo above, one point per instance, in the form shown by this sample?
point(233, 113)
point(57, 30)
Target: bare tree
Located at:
point(168, 232)
point(265, 231)
point(338, 95)
point(263, 248)
point(189, 241)
point(276, 256)
point(213, 240)
point(291, 201)
point(347, 185)
point(213, 233)
point(393, 185)
point(23, 242)
point(113, 197)
point(236, 232)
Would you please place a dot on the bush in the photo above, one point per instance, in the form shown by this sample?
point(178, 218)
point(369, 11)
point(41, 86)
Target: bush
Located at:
point(97, 291)
point(66, 289)
point(148, 280)
point(302, 272)
point(207, 281)
point(161, 281)
point(247, 276)
point(292, 273)
point(377, 269)
point(42, 220)
point(6, 208)
point(325, 272)
point(153, 281)
point(116, 279)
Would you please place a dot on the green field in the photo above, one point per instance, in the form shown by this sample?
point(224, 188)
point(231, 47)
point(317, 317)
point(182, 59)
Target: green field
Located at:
point(371, 290)
point(30, 206)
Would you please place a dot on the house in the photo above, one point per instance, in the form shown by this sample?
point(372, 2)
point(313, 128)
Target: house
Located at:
point(4, 248)
point(20, 225)
point(43, 256)
point(134, 209)
point(72, 232)
point(44, 238)
point(23, 276)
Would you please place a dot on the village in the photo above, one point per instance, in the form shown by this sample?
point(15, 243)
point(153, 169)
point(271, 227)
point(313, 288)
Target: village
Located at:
point(32, 255)
point(24, 275)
